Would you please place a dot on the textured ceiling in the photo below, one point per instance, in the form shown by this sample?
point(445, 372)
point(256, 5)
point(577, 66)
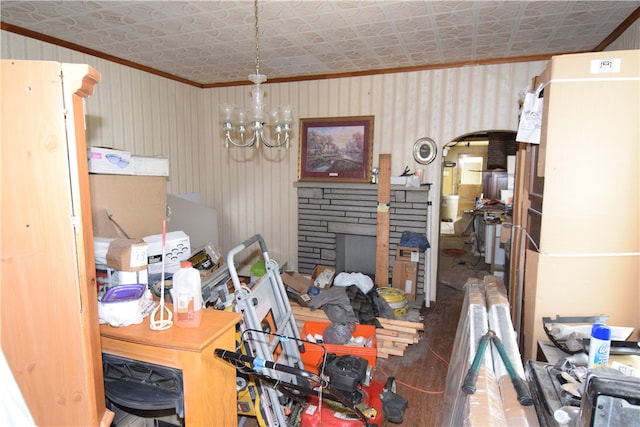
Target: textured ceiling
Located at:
point(212, 42)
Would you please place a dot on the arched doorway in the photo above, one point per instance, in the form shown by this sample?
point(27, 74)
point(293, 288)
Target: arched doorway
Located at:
point(475, 170)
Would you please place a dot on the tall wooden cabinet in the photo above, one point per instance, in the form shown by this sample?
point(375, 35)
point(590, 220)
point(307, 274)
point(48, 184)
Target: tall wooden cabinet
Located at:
point(579, 200)
point(48, 303)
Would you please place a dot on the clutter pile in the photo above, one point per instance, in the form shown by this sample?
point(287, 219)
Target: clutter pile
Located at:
point(350, 298)
point(392, 338)
point(135, 252)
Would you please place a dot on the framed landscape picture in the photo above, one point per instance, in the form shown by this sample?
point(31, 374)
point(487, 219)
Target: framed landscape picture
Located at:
point(336, 149)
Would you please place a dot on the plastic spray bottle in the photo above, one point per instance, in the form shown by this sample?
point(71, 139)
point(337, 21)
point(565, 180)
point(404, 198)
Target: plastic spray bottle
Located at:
point(599, 345)
point(187, 296)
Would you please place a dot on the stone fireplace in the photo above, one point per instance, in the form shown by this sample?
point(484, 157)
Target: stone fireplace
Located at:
point(337, 224)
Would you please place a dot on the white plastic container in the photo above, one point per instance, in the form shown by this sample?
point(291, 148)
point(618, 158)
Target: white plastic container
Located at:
point(567, 416)
point(599, 346)
point(450, 207)
point(186, 294)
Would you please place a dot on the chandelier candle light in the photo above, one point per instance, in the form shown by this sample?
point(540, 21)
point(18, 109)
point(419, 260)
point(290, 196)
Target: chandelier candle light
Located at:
point(234, 119)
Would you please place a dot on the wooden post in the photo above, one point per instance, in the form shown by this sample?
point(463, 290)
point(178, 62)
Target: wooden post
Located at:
point(382, 229)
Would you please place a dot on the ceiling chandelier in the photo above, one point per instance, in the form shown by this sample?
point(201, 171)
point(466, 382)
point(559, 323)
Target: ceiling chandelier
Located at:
point(249, 127)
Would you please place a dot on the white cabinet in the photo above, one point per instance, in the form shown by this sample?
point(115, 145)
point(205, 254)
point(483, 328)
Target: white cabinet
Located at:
point(494, 250)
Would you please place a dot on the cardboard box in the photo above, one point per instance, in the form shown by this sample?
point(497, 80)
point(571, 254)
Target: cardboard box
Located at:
point(322, 277)
point(407, 253)
point(302, 300)
point(149, 166)
point(405, 277)
point(137, 203)
point(297, 287)
point(312, 355)
point(205, 259)
point(127, 255)
point(296, 281)
point(177, 249)
point(108, 160)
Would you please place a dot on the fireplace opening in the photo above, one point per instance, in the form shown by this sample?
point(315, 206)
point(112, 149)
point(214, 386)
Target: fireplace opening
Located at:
point(356, 254)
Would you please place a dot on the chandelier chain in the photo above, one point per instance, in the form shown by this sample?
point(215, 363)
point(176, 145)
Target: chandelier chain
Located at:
point(255, 7)
point(250, 127)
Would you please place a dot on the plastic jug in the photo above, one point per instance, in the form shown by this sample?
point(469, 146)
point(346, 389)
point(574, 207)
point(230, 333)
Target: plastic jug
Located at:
point(187, 296)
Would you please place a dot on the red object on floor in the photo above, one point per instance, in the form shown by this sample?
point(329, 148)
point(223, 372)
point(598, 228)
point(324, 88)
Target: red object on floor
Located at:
point(330, 416)
point(312, 355)
point(456, 253)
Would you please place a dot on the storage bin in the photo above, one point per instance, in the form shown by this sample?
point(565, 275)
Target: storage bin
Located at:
point(312, 356)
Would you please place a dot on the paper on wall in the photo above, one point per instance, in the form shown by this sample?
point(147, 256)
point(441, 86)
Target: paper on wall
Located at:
point(531, 118)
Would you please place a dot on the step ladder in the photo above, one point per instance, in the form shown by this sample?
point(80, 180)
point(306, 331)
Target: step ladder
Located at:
point(265, 306)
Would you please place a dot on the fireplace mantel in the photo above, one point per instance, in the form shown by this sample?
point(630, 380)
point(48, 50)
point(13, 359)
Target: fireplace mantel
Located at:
point(327, 209)
point(355, 185)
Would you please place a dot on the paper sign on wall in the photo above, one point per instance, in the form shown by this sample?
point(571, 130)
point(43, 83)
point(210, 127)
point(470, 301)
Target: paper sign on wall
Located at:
point(531, 118)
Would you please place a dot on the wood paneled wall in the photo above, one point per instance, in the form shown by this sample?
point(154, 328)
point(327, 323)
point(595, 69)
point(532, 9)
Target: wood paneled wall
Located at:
point(629, 39)
point(253, 190)
point(256, 188)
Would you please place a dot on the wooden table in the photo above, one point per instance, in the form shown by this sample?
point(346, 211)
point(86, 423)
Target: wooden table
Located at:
point(209, 382)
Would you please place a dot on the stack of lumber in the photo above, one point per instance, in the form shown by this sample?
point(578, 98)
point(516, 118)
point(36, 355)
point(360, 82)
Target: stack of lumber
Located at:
point(396, 336)
point(392, 340)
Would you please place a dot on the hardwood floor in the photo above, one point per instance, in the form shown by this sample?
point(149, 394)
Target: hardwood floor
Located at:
point(421, 373)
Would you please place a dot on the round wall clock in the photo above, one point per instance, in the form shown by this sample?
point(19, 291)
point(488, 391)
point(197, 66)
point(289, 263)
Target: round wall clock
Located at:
point(424, 150)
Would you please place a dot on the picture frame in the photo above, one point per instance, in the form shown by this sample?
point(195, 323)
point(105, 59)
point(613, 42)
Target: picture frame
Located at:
point(338, 149)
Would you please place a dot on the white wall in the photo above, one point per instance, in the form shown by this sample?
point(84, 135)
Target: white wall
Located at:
point(253, 191)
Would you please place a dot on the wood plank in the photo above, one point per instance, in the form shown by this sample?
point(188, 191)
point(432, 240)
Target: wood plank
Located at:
point(382, 227)
point(404, 340)
point(387, 332)
point(319, 317)
point(304, 311)
point(403, 329)
point(392, 351)
point(416, 325)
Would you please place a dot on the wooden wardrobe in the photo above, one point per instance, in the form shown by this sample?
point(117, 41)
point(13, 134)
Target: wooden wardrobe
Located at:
point(48, 297)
